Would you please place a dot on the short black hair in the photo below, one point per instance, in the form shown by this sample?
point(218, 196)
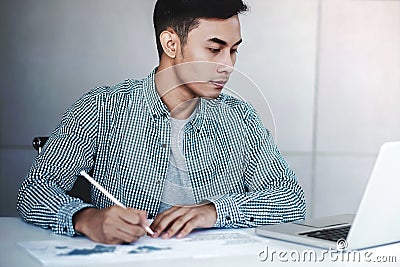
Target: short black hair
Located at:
point(183, 15)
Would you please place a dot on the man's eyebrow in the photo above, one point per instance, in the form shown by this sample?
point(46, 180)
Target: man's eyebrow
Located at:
point(222, 42)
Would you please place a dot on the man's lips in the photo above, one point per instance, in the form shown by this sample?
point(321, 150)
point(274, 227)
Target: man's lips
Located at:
point(219, 84)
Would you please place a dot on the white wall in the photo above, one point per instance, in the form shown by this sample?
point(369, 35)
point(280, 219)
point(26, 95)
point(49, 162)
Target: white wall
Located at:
point(358, 97)
point(330, 69)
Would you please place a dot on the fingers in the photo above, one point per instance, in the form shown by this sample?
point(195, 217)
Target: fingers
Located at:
point(131, 216)
point(161, 222)
point(118, 225)
point(118, 237)
point(134, 230)
point(180, 221)
point(188, 228)
point(131, 224)
point(165, 219)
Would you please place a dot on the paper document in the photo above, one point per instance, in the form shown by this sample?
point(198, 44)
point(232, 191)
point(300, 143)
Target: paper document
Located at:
point(199, 244)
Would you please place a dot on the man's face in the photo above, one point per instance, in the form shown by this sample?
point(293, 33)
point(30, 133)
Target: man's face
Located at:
point(208, 56)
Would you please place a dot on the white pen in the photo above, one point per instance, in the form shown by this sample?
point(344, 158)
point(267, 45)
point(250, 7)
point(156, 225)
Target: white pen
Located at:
point(111, 197)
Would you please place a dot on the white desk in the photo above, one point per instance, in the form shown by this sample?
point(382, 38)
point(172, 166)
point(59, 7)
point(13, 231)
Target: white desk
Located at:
point(14, 230)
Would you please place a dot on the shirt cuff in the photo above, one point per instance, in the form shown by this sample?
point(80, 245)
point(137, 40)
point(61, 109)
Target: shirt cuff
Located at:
point(228, 213)
point(65, 224)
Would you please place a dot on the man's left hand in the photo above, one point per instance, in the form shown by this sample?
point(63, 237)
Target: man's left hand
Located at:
point(181, 220)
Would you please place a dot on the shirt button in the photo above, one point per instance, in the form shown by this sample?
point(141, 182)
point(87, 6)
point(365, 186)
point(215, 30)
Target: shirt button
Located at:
point(252, 219)
point(150, 216)
point(164, 145)
point(228, 218)
point(158, 181)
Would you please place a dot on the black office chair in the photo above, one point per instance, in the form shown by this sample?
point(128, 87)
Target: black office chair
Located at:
point(81, 188)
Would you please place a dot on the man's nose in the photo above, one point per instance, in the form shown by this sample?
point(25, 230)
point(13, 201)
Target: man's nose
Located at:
point(226, 65)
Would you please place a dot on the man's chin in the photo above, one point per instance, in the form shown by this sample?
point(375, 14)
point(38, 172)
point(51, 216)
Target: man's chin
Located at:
point(211, 96)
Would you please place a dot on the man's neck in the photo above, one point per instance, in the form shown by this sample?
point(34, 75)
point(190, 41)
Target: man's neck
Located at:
point(178, 99)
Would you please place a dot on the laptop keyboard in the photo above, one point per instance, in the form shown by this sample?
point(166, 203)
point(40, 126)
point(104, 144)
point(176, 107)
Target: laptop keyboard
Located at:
point(331, 234)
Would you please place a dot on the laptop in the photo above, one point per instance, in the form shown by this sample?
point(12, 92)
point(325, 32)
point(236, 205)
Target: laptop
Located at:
point(376, 222)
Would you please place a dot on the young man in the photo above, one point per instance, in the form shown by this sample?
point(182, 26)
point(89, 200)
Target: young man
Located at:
point(170, 146)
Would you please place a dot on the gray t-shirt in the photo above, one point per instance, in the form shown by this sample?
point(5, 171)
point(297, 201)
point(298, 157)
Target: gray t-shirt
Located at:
point(177, 186)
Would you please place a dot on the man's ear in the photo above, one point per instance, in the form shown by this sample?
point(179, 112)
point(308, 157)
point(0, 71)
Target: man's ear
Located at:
point(170, 42)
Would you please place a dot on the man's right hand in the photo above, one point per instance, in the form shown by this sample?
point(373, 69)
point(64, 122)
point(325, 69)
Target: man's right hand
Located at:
point(113, 225)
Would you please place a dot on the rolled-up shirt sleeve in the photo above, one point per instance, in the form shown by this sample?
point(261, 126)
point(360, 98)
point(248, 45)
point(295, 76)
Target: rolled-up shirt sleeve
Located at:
point(42, 198)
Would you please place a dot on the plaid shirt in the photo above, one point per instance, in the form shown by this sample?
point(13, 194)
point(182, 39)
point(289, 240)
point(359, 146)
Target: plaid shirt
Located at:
point(122, 134)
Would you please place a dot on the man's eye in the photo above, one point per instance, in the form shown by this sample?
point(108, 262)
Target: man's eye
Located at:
point(233, 51)
point(214, 50)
